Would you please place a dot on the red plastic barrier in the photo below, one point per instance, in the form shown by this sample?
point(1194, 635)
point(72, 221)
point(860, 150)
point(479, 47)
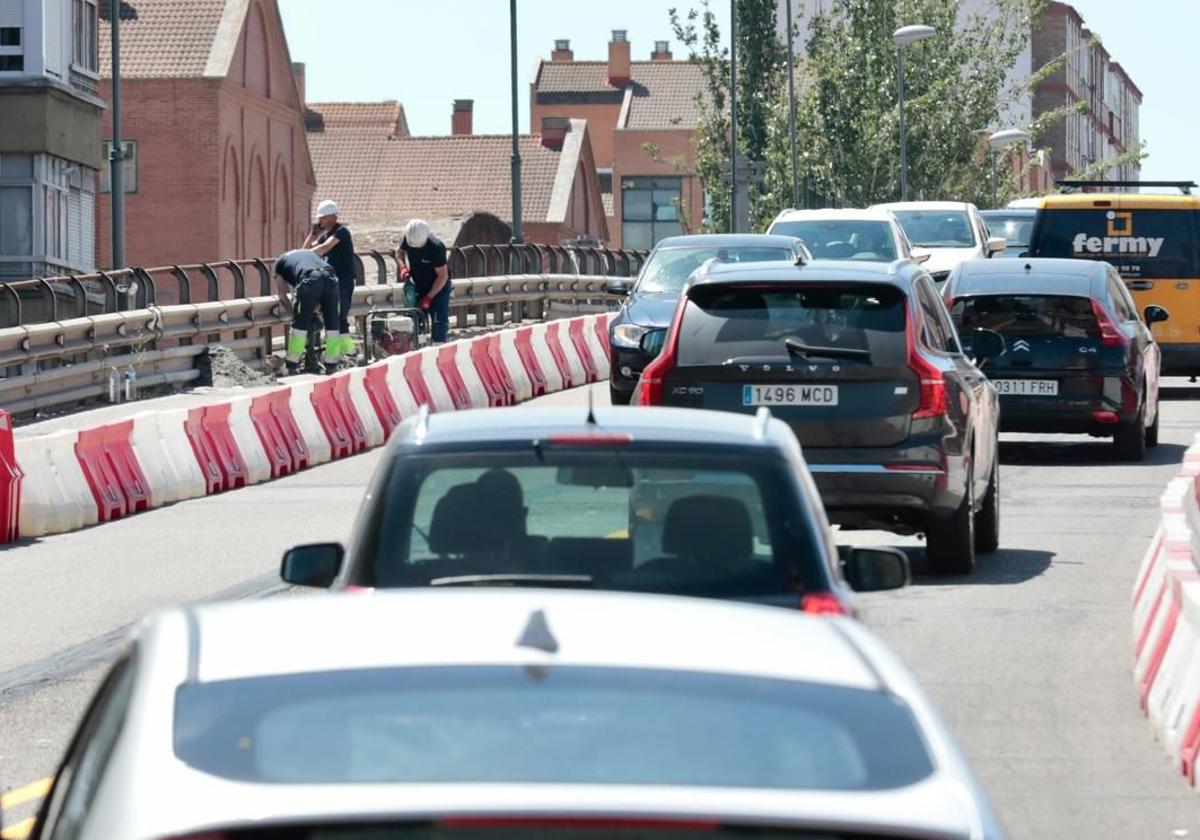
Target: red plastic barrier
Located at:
point(416, 381)
point(341, 396)
point(119, 450)
point(601, 327)
point(271, 435)
point(206, 455)
point(523, 341)
point(101, 478)
point(375, 382)
point(575, 331)
point(447, 364)
point(1190, 750)
point(10, 482)
point(329, 413)
point(485, 355)
point(215, 424)
point(281, 409)
point(554, 343)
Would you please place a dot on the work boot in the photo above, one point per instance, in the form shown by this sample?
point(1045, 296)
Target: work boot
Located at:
point(291, 368)
point(331, 368)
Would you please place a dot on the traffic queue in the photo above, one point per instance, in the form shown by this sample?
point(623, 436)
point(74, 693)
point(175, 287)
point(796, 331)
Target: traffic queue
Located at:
point(662, 633)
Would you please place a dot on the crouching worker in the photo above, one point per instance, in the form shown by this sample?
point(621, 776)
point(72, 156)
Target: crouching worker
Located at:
point(315, 286)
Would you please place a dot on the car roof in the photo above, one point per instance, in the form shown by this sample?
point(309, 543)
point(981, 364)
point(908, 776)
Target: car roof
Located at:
point(725, 240)
point(898, 273)
point(473, 627)
point(1028, 276)
point(922, 205)
point(1009, 213)
point(874, 214)
point(646, 425)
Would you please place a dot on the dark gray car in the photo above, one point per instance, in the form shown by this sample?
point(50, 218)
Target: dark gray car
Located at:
point(897, 423)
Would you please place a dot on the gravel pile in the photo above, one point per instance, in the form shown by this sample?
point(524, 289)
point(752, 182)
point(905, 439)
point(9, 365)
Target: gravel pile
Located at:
point(221, 368)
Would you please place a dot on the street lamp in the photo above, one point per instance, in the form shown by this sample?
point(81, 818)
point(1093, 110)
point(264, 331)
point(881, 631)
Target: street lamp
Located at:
point(1002, 138)
point(902, 37)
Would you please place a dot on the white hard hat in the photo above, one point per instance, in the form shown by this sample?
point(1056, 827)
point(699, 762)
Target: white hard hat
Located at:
point(327, 208)
point(417, 233)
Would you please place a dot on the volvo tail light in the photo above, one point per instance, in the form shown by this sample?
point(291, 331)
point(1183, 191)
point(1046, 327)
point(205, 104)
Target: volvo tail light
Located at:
point(650, 386)
point(1110, 336)
point(932, 387)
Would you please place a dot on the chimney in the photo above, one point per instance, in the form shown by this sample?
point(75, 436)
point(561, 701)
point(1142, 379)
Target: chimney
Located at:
point(554, 132)
point(619, 65)
point(462, 117)
point(562, 51)
point(662, 51)
point(298, 75)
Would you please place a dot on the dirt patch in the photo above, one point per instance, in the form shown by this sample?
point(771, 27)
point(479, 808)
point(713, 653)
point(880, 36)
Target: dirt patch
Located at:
point(221, 368)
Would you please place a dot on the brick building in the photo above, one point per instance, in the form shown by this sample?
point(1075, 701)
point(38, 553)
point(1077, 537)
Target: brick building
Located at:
point(643, 117)
point(366, 160)
point(214, 121)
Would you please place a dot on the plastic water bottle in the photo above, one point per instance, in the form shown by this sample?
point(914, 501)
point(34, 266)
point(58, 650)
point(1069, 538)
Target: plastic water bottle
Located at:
point(130, 384)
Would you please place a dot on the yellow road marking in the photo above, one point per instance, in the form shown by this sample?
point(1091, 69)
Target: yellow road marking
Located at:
point(28, 793)
point(19, 831)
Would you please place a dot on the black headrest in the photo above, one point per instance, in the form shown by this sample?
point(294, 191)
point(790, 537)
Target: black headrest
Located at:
point(708, 526)
point(484, 517)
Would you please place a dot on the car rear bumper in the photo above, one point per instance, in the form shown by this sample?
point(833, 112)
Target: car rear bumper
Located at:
point(1180, 359)
point(874, 495)
point(1066, 416)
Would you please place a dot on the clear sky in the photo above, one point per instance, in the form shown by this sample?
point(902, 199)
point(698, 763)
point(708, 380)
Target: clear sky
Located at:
point(427, 53)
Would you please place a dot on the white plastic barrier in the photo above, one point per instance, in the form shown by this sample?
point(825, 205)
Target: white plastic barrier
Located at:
point(470, 376)
point(241, 426)
point(402, 395)
point(363, 406)
point(153, 458)
point(433, 380)
point(598, 348)
point(189, 478)
point(55, 496)
point(575, 363)
point(511, 359)
point(541, 351)
point(300, 401)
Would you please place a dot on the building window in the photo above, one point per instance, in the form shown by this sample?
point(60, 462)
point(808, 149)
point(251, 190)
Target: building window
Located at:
point(84, 26)
point(12, 57)
point(604, 176)
point(130, 171)
point(649, 210)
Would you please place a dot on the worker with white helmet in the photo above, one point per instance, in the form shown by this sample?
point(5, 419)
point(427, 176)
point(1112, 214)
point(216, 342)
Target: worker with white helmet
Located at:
point(422, 258)
point(331, 239)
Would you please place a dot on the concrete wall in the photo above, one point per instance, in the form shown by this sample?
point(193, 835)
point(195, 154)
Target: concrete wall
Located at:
point(42, 118)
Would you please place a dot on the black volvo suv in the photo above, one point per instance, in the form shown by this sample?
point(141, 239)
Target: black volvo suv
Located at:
point(897, 423)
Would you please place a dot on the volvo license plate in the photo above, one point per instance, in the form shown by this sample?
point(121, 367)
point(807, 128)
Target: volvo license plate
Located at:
point(789, 395)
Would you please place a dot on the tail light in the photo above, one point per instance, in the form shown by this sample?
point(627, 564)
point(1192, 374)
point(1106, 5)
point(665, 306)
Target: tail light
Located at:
point(1110, 336)
point(650, 386)
point(933, 400)
point(823, 603)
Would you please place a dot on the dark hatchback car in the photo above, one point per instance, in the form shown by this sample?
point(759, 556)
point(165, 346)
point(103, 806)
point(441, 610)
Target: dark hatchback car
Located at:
point(1014, 225)
point(668, 501)
point(651, 299)
point(897, 423)
point(1078, 358)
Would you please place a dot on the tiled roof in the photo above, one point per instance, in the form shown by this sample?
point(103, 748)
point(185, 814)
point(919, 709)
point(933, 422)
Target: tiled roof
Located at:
point(377, 181)
point(383, 117)
point(664, 92)
point(162, 38)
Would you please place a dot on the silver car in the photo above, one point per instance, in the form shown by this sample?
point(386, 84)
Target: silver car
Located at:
point(508, 713)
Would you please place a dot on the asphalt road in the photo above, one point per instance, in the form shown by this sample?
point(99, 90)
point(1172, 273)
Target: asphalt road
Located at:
point(1029, 659)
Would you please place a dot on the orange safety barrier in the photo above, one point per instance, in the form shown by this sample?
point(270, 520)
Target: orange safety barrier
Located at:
point(447, 364)
point(206, 455)
point(101, 477)
point(281, 410)
point(416, 381)
point(332, 421)
point(579, 340)
point(343, 399)
point(523, 341)
point(279, 453)
point(485, 355)
point(215, 424)
point(553, 343)
point(10, 482)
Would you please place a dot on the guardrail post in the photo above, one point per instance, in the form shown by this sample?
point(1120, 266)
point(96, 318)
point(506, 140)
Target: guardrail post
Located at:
point(214, 288)
point(239, 279)
point(381, 277)
point(185, 284)
point(264, 277)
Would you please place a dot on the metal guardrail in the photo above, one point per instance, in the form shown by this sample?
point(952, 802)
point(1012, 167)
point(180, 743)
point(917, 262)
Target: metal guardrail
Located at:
point(49, 299)
point(58, 363)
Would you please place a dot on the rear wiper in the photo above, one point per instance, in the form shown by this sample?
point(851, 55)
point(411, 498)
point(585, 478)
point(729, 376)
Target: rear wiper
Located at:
point(546, 581)
point(798, 348)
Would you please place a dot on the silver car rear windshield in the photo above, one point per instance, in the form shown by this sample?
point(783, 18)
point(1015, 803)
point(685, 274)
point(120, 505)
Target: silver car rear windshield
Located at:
point(555, 725)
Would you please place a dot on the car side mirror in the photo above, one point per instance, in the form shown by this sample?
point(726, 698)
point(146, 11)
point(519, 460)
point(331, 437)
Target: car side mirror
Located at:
point(987, 344)
point(618, 286)
point(316, 565)
point(653, 341)
point(995, 245)
point(1155, 314)
point(920, 256)
point(876, 569)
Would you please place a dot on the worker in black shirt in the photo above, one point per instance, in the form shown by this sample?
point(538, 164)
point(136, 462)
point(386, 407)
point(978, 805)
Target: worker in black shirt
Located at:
point(422, 258)
point(316, 286)
point(330, 239)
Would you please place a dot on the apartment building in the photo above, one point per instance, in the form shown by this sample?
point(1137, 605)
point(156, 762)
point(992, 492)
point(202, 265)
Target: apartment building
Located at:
point(50, 144)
